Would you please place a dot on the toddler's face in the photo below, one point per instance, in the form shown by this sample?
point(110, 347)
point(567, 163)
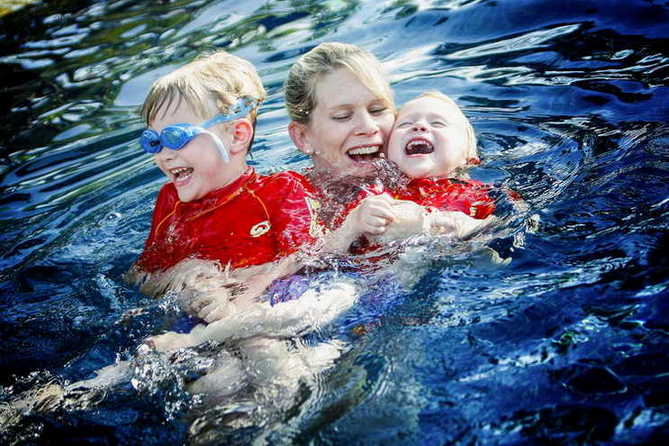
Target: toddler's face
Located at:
point(428, 139)
point(197, 168)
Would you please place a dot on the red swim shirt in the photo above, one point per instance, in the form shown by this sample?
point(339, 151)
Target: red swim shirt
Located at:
point(448, 194)
point(254, 220)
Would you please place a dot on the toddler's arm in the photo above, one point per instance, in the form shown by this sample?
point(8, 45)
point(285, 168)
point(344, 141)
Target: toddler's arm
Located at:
point(458, 224)
point(239, 320)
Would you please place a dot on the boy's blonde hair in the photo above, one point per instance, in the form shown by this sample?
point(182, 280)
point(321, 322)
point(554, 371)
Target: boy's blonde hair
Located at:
point(300, 87)
point(210, 84)
point(471, 150)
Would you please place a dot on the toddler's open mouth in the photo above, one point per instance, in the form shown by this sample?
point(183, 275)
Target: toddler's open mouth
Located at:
point(418, 146)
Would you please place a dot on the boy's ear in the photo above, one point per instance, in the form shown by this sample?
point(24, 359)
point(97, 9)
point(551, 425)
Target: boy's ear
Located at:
point(242, 135)
point(298, 133)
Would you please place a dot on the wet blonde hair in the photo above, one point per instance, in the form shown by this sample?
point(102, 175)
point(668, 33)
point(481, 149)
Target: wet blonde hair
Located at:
point(471, 150)
point(309, 69)
point(210, 84)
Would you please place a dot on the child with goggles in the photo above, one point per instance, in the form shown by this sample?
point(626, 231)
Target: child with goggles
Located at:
point(216, 208)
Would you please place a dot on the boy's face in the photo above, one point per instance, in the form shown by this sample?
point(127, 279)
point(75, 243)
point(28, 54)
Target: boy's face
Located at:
point(197, 168)
point(428, 139)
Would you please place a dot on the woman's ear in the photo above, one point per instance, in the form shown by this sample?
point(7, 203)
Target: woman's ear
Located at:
point(242, 135)
point(298, 133)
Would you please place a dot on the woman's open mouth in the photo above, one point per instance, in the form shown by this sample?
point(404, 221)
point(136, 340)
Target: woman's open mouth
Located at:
point(419, 146)
point(364, 153)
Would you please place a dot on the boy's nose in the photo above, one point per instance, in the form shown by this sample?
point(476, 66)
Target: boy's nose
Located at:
point(165, 154)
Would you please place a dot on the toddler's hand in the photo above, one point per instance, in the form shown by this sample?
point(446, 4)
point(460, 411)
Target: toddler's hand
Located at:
point(410, 219)
point(215, 311)
point(372, 216)
point(443, 223)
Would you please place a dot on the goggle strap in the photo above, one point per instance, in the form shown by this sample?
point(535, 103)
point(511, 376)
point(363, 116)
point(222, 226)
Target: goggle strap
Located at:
point(241, 108)
point(219, 144)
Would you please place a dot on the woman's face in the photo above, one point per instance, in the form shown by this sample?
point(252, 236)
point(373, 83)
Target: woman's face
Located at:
point(349, 126)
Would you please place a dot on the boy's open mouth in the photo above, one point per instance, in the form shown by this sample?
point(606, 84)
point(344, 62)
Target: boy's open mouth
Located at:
point(419, 146)
point(364, 153)
point(181, 174)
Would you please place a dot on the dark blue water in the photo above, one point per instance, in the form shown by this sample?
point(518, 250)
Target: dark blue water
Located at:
point(567, 344)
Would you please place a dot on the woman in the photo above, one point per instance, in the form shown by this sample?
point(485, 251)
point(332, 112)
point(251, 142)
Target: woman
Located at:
point(342, 112)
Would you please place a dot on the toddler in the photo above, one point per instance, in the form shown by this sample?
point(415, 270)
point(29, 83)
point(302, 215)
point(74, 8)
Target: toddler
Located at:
point(432, 142)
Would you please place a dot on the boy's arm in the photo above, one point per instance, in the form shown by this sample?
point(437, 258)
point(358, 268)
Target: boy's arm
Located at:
point(239, 320)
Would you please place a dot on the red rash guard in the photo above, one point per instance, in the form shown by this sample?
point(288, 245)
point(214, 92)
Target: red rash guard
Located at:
point(254, 220)
point(447, 194)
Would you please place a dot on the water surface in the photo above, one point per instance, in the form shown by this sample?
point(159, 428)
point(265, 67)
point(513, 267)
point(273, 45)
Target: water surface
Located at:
point(565, 345)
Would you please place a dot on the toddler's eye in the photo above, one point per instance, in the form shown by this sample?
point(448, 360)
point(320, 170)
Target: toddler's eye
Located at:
point(404, 124)
point(439, 124)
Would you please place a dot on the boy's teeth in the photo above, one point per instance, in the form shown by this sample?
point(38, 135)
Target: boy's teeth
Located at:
point(367, 150)
point(181, 171)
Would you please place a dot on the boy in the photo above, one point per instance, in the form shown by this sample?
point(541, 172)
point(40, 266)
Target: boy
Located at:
point(201, 120)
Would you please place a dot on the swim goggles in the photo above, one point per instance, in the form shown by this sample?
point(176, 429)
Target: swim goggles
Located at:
point(177, 136)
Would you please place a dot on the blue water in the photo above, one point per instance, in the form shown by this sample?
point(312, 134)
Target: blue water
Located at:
point(565, 345)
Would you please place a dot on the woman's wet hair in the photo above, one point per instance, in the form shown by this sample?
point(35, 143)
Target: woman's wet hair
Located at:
point(306, 72)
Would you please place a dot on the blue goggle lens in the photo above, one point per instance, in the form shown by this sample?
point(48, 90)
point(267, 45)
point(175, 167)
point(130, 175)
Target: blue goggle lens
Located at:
point(174, 137)
point(150, 141)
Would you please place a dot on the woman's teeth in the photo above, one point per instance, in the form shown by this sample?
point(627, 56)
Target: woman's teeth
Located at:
point(360, 153)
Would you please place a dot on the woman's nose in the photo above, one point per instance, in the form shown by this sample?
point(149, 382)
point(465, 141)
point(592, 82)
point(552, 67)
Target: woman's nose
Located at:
point(366, 124)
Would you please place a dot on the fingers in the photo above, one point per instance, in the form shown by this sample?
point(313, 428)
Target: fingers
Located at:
point(207, 310)
point(201, 301)
point(216, 314)
point(376, 225)
point(376, 211)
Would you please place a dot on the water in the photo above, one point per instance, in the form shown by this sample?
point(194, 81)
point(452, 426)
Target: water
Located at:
point(567, 344)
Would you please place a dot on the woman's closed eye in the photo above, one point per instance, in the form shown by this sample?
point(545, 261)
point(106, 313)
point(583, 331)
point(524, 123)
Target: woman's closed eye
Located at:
point(342, 116)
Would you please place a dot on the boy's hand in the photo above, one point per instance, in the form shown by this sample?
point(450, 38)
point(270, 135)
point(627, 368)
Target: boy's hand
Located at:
point(170, 341)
